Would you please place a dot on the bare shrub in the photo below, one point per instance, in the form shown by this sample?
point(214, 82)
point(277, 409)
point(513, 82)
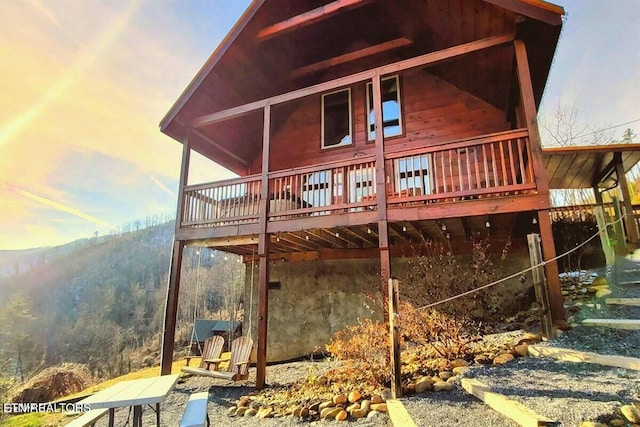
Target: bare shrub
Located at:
point(53, 383)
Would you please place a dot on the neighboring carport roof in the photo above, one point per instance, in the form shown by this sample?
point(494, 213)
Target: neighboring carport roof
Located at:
point(584, 166)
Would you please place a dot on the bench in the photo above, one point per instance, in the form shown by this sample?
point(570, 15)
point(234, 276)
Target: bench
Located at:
point(89, 418)
point(195, 414)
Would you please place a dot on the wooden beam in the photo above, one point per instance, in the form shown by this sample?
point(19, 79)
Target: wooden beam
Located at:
point(307, 18)
point(351, 56)
point(539, 10)
point(263, 253)
point(630, 218)
point(527, 99)
point(633, 324)
point(171, 309)
point(623, 301)
point(428, 59)
point(554, 291)
point(507, 407)
point(220, 147)
point(184, 179)
point(398, 414)
point(570, 355)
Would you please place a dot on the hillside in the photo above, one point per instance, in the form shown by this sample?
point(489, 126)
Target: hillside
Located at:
point(100, 302)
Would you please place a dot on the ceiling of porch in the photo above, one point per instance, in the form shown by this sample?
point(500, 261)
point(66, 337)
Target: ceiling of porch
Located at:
point(584, 166)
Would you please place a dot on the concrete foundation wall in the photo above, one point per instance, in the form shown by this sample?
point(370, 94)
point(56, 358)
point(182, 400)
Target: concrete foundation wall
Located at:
point(318, 298)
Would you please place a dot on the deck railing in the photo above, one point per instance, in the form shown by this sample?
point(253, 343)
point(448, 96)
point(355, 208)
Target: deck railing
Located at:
point(223, 202)
point(495, 164)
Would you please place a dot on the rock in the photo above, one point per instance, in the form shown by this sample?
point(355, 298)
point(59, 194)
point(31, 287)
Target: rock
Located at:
point(244, 401)
point(265, 413)
point(503, 358)
point(329, 413)
point(600, 281)
point(358, 413)
point(482, 359)
point(595, 288)
point(255, 405)
point(353, 406)
point(602, 293)
point(442, 386)
point(326, 404)
point(354, 396)
point(530, 338)
point(458, 363)
point(423, 384)
point(339, 399)
point(251, 412)
point(460, 370)
point(410, 388)
point(522, 350)
point(232, 411)
point(617, 422)
point(631, 413)
point(365, 405)
point(453, 379)
point(379, 407)
point(373, 414)
point(376, 399)
point(315, 406)
point(341, 416)
point(592, 424)
point(241, 410)
point(445, 375)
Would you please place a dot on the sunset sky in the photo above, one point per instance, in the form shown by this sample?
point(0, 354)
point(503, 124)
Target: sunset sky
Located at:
point(84, 85)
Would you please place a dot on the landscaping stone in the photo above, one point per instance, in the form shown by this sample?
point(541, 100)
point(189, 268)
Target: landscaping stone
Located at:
point(458, 363)
point(250, 412)
point(379, 407)
point(376, 399)
point(365, 405)
point(339, 399)
point(423, 384)
point(631, 413)
point(592, 424)
point(442, 386)
point(503, 358)
point(354, 396)
point(358, 413)
point(445, 375)
point(341, 416)
point(522, 350)
point(265, 413)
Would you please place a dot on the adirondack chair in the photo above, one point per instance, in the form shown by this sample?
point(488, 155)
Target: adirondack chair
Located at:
point(238, 368)
point(211, 350)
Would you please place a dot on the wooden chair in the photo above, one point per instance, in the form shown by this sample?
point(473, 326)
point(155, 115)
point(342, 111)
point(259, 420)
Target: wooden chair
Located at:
point(238, 368)
point(212, 349)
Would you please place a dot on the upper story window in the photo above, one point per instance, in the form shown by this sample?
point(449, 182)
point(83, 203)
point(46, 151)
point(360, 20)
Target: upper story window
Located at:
point(336, 119)
point(391, 114)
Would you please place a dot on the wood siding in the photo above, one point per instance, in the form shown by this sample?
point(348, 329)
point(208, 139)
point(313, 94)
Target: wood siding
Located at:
point(433, 112)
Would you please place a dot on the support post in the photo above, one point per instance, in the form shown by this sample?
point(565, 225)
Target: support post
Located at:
point(630, 219)
point(394, 340)
point(542, 297)
point(381, 184)
point(609, 253)
point(556, 301)
point(263, 255)
point(618, 227)
point(171, 309)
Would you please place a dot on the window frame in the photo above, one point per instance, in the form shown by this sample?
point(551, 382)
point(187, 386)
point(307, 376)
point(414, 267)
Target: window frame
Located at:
point(369, 109)
point(322, 120)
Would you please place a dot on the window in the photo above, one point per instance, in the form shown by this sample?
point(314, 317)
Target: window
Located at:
point(336, 119)
point(391, 115)
point(412, 175)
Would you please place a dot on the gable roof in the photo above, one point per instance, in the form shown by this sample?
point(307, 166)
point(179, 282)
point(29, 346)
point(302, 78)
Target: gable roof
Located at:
point(249, 66)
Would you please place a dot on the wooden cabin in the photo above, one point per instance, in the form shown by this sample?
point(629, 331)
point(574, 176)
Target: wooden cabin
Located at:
point(357, 127)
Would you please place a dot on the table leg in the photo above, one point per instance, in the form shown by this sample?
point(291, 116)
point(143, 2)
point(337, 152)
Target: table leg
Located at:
point(137, 416)
point(158, 414)
point(112, 412)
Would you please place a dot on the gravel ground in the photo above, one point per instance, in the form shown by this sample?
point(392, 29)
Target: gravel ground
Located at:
point(561, 391)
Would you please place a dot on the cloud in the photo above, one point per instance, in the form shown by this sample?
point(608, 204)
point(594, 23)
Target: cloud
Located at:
point(56, 205)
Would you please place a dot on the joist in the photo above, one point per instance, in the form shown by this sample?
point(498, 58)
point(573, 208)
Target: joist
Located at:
point(623, 301)
point(569, 355)
point(613, 323)
point(310, 17)
point(507, 407)
point(398, 414)
point(352, 56)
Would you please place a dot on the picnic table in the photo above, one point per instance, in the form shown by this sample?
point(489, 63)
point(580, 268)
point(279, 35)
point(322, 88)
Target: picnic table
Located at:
point(133, 393)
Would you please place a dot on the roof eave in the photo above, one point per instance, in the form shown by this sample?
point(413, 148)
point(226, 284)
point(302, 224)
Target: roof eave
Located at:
point(210, 64)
